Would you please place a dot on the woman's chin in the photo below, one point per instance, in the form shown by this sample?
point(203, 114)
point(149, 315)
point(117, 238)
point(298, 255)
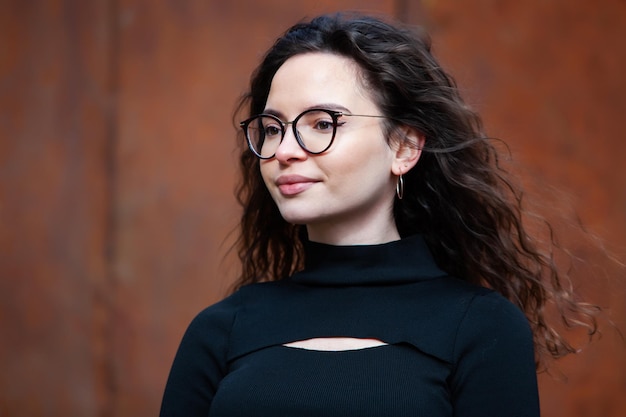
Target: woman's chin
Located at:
point(296, 218)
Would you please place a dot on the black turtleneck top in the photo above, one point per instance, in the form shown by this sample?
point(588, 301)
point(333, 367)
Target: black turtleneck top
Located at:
point(452, 349)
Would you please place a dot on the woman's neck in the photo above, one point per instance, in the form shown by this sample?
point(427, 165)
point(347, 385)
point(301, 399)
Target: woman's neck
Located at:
point(345, 234)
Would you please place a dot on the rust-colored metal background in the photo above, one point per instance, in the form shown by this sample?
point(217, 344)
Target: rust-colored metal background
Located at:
point(117, 174)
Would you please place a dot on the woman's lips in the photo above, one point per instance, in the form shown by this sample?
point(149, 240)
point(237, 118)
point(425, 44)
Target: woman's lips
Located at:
point(293, 184)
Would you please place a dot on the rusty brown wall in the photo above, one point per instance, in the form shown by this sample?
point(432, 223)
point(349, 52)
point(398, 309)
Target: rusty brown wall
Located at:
point(54, 197)
point(116, 174)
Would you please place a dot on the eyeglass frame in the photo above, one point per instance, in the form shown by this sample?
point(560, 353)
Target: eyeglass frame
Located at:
point(334, 114)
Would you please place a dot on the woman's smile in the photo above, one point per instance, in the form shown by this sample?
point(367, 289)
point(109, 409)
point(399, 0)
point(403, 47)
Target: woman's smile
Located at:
point(294, 184)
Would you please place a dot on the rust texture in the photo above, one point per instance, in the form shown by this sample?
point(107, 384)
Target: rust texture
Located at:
point(117, 170)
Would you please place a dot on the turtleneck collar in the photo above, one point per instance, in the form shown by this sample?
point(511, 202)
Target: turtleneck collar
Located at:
point(401, 261)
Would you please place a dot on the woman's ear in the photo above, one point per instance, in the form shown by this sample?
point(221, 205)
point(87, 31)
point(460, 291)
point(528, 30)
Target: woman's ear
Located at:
point(408, 147)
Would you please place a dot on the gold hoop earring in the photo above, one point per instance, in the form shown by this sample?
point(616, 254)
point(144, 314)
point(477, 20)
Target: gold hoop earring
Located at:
point(400, 187)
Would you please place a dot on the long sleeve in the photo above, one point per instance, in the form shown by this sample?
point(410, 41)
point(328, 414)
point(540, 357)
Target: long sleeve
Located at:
point(495, 369)
point(200, 362)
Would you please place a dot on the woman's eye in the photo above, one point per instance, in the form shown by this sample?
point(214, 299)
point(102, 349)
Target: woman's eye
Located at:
point(272, 130)
point(323, 125)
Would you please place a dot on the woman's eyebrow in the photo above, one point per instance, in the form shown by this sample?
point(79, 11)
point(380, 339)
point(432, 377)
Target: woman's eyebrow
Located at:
point(325, 106)
point(330, 106)
point(276, 113)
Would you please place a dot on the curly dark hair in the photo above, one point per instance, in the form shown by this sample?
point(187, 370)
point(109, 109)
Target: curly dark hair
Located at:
point(458, 196)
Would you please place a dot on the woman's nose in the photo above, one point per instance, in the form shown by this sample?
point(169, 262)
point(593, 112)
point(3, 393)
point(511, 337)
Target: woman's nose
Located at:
point(289, 148)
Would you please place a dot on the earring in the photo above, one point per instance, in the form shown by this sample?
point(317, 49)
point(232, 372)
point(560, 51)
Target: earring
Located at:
point(400, 187)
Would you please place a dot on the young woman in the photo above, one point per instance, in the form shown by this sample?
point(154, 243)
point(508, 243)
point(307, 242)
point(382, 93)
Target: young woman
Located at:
point(386, 270)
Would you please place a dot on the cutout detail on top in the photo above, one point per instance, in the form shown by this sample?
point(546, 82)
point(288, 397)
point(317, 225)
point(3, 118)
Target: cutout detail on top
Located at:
point(335, 344)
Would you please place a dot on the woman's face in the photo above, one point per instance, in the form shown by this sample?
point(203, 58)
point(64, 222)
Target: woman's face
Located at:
point(344, 195)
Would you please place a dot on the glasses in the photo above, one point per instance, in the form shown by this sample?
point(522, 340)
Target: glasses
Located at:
point(314, 130)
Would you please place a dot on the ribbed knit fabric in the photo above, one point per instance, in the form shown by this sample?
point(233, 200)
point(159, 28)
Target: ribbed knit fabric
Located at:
point(453, 349)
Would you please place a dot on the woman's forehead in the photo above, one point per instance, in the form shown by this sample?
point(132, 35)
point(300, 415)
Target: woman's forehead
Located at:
point(317, 77)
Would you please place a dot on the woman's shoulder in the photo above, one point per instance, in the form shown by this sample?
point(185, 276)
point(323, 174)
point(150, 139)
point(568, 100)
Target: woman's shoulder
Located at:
point(485, 302)
point(219, 314)
point(480, 306)
point(492, 323)
point(229, 306)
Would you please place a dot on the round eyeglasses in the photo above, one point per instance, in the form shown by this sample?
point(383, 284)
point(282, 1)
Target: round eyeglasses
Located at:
point(314, 129)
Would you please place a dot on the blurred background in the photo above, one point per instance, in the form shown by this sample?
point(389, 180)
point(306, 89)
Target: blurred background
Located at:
point(117, 170)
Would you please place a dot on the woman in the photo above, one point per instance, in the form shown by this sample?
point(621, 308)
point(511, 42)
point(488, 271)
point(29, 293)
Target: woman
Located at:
point(385, 267)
